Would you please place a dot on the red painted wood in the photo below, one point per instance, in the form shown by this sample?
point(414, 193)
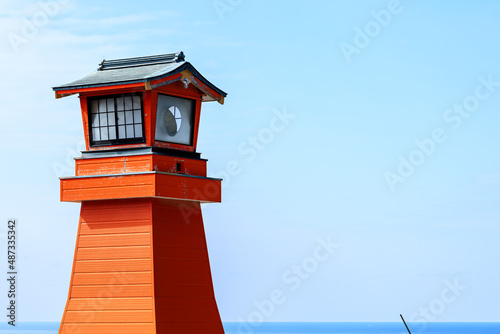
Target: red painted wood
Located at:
point(182, 290)
point(182, 277)
point(115, 240)
point(122, 186)
point(114, 165)
point(143, 265)
point(165, 163)
point(85, 279)
point(190, 327)
point(148, 113)
point(116, 187)
point(184, 303)
point(114, 228)
point(85, 121)
point(136, 303)
point(179, 265)
point(113, 266)
point(181, 253)
point(196, 88)
point(193, 316)
point(108, 328)
point(177, 89)
point(168, 243)
point(182, 264)
point(102, 90)
point(167, 79)
point(140, 163)
point(197, 82)
point(196, 123)
point(173, 146)
point(120, 316)
point(152, 121)
point(116, 211)
point(117, 146)
point(113, 253)
point(111, 291)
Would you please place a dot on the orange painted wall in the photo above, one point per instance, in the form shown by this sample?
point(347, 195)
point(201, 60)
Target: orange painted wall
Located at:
point(111, 289)
point(184, 301)
point(141, 266)
point(139, 163)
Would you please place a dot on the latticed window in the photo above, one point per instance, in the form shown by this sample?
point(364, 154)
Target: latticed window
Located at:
point(116, 119)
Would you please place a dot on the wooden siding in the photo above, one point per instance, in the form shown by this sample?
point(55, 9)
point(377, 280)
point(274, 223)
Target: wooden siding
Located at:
point(117, 187)
point(113, 165)
point(151, 184)
point(137, 164)
point(111, 287)
point(184, 301)
point(108, 328)
point(141, 266)
point(137, 303)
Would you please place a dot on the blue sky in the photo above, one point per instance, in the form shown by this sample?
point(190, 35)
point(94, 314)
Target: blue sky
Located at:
point(358, 144)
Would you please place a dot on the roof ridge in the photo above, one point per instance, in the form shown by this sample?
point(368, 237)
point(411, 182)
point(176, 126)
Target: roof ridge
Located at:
point(141, 61)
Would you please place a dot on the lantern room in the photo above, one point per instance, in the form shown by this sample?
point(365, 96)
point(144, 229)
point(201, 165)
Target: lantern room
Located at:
point(141, 115)
point(152, 101)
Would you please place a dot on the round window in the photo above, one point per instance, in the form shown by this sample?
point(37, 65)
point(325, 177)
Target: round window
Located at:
point(173, 120)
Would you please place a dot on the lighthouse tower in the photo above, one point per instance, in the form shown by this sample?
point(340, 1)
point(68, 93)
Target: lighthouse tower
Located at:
point(141, 263)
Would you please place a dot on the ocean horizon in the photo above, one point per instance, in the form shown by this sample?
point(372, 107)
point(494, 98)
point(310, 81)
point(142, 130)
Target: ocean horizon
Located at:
point(305, 327)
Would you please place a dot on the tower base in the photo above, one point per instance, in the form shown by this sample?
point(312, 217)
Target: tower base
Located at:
point(141, 266)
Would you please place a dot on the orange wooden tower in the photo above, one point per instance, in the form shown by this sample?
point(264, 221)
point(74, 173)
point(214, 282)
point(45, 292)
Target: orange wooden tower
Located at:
point(141, 263)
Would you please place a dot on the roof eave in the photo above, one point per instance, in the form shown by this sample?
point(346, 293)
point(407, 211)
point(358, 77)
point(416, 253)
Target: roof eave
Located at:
point(213, 93)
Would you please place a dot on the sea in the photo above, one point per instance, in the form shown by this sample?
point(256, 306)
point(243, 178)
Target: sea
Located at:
point(306, 328)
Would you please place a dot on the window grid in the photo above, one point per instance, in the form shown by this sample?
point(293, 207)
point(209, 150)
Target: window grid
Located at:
point(116, 119)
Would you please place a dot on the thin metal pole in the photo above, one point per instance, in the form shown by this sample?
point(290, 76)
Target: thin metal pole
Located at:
point(405, 323)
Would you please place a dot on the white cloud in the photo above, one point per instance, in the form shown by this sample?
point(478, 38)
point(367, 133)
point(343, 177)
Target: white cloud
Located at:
point(111, 22)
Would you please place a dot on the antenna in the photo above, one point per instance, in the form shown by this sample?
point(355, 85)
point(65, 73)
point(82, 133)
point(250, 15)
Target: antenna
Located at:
point(405, 323)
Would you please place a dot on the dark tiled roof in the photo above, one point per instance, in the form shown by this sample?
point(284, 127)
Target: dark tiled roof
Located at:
point(133, 70)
